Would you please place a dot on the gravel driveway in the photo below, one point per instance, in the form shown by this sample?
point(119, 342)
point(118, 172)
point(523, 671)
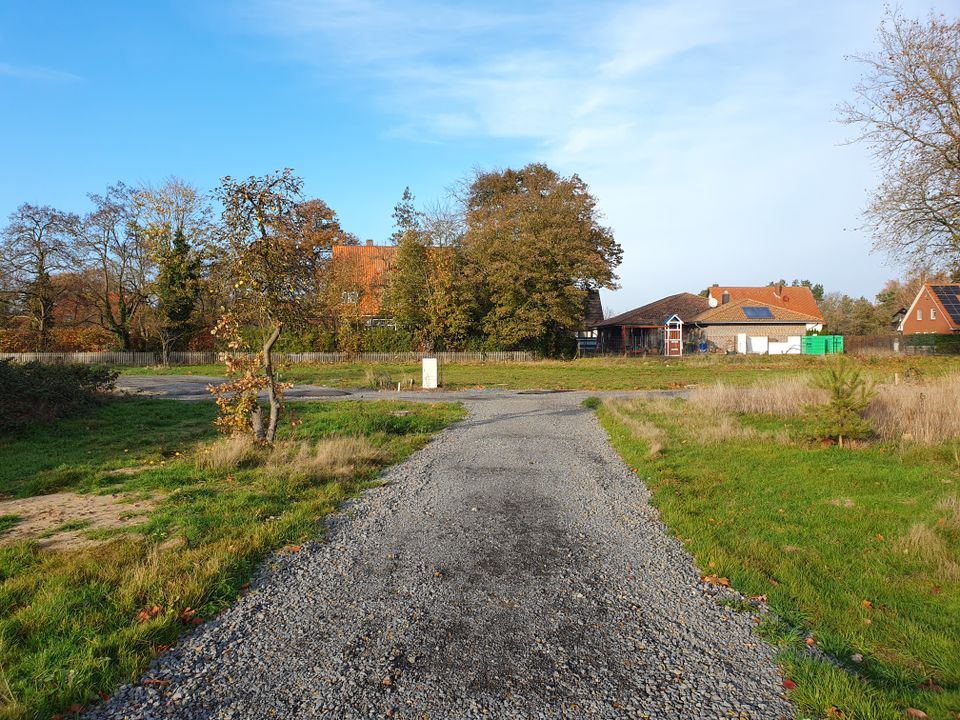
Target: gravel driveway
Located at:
point(511, 569)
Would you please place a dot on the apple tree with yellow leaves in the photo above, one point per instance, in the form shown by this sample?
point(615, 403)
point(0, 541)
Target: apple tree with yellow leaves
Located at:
point(276, 248)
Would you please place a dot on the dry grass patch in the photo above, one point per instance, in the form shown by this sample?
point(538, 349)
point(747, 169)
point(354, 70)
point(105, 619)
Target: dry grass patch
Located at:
point(924, 412)
point(334, 458)
point(926, 545)
point(949, 509)
point(230, 453)
point(709, 428)
point(784, 397)
point(625, 413)
point(337, 458)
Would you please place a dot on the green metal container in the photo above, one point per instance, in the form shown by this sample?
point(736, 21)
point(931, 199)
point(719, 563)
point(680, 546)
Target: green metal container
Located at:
point(821, 344)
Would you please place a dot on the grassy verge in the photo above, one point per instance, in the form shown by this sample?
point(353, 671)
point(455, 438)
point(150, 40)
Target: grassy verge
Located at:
point(856, 549)
point(75, 623)
point(587, 374)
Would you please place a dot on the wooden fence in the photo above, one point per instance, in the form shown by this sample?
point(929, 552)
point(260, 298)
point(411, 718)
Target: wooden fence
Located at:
point(146, 359)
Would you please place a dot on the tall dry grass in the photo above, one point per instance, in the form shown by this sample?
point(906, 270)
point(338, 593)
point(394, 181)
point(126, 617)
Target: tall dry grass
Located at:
point(708, 428)
point(924, 544)
point(926, 412)
point(337, 458)
point(625, 413)
point(230, 453)
point(330, 459)
point(783, 397)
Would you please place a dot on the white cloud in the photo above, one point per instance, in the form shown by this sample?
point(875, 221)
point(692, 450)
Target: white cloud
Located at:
point(23, 72)
point(705, 128)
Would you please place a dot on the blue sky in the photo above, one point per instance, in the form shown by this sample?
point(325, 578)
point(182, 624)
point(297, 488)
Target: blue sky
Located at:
point(707, 130)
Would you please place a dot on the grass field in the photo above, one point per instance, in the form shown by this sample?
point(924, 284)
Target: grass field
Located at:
point(857, 549)
point(586, 374)
point(77, 621)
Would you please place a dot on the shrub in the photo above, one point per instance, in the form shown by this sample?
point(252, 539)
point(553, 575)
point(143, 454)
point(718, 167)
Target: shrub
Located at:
point(35, 392)
point(591, 403)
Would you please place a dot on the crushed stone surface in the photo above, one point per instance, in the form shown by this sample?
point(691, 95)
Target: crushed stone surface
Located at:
point(513, 568)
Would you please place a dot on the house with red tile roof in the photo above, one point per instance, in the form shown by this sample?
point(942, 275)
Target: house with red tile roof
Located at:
point(935, 309)
point(361, 276)
point(769, 319)
point(797, 299)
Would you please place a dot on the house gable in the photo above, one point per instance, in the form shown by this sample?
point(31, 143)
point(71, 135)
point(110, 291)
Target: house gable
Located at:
point(928, 314)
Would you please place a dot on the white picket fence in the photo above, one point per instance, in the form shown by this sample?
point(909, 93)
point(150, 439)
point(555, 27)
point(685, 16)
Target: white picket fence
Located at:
point(146, 359)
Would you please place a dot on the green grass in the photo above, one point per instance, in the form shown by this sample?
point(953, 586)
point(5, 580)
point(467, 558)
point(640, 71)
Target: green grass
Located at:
point(69, 626)
point(7, 522)
point(819, 531)
point(586, 374)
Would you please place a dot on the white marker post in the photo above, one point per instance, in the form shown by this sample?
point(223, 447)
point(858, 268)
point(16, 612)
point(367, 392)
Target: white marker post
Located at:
point(430, 373)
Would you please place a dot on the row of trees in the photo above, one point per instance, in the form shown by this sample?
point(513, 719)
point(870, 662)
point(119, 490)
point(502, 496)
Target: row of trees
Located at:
point(507, 264)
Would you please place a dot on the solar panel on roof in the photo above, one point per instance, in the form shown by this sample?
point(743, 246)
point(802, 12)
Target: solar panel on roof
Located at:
point(758, 313)
point(950, 299)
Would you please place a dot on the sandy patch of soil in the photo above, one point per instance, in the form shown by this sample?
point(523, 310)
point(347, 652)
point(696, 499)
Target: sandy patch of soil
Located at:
point(42, 515)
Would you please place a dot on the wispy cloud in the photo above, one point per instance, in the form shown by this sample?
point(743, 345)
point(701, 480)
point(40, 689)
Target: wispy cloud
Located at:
point(27, 72)
point(706, 125)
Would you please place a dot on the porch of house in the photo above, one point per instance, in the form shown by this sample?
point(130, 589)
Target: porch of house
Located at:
point(631, 339)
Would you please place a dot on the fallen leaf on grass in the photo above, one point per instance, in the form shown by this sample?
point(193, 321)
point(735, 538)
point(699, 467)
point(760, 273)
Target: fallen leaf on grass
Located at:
point(789, 684)
point(867, 604)
point(931, 686)
point(714, 580)
point(158, 683)
point(879, 537)
point(293, 548)
point(759, 598)
point(835, 712)
point(148, 614)
point(916, 714)
point(75, 708)
point(810, 641)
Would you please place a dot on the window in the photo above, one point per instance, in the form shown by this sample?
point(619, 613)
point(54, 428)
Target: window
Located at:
point(919, 314)
point(350, 298)
point(933, 313)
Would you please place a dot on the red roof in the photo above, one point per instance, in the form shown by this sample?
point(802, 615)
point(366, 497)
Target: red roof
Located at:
point(366, 267)
point(797, 299)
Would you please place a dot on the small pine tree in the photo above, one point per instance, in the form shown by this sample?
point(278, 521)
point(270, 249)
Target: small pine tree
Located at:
point(850, 394)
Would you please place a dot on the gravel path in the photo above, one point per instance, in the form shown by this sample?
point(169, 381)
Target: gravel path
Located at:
point(511, 569)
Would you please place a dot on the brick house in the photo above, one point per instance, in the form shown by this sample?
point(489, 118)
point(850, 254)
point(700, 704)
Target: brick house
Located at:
point(768, 319)
point(936, 309)
point(360, 273)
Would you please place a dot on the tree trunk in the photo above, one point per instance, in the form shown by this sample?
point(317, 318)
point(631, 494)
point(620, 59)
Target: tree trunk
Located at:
point(271, 384)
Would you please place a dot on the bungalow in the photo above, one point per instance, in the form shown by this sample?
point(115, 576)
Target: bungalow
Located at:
point(936, 309)
point(645, 329)
point(731, 319)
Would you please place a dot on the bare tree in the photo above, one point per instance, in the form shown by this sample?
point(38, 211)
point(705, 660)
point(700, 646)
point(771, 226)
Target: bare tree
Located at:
point(907, 109)
point(36, 244)
point(115, 247)
point(174, 221)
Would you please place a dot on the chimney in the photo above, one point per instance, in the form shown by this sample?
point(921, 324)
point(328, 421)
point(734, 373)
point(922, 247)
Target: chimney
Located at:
point(369, 243)
point(725, 297)
point(779, 290)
